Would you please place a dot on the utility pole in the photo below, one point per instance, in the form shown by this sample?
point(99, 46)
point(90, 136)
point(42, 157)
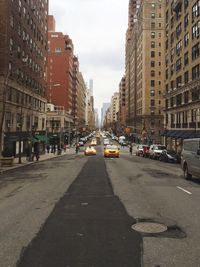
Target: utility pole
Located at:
point(20, 136)
point(69, 133)
point(3, 110)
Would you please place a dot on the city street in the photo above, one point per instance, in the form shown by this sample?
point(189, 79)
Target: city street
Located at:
point(78, 211)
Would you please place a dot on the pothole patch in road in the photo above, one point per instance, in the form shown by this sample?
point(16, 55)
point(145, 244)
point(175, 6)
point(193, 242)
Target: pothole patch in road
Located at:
point(153, 228)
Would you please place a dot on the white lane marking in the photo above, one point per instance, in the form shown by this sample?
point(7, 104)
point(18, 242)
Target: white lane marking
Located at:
point(184, 190)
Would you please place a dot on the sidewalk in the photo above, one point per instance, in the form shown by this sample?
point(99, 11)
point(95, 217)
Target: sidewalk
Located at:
point(46, 156)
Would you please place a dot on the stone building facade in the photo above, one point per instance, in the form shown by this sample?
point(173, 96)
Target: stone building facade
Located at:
point(182, 71)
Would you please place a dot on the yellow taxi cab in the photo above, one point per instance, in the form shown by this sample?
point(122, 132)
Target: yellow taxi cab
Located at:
point(111, 151)
point(89, 151)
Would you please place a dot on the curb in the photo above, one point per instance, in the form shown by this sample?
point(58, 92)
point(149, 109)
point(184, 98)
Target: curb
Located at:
point(2, 171)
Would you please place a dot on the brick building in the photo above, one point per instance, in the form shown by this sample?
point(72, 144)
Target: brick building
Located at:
point(60, 71)
point(23, 55)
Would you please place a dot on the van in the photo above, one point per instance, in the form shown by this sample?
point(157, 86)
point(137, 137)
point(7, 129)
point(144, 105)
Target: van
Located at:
point(190, 158)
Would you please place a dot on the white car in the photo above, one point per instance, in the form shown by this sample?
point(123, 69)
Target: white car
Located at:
point(106, 142)
point(93, 142)
point(155, 151)
point(190, 158)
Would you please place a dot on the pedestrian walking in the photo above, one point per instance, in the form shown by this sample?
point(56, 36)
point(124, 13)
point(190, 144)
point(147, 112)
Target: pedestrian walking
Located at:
point(48, 148)
point(77, 148)
point(28, 152)
point(131, 149)
point(36, 151)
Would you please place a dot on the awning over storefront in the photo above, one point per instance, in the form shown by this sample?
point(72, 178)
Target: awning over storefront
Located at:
point(181, 134)
point(41, 138)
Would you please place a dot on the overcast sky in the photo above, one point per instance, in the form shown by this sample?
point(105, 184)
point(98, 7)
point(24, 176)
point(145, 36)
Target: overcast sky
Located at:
point(97, 28)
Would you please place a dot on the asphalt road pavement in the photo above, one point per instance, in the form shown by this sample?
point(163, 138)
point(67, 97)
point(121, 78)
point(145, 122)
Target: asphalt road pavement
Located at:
point(88, 227)
point(79, 211)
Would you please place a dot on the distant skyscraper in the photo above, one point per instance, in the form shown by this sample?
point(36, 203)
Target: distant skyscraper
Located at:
point(96, 118)
point(104, 108)
point(91, 86)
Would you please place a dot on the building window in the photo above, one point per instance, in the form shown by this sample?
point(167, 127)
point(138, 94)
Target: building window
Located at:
point(58, 50)
point(152, 83)
point(178, 30)
point(186, 39)
point(152, 53)
point(179, 99)
point(178, 64)
point(196, 30)
point(196, 9)
point(186, 77)
point(186, 2)
point(186, 97)
point(152, 44)
point(172, 69)
point(186, 21)
point(171, 102)
point(196, 51)
point(179, 47)
point(179, 81)
point(153, 34)
point(166, 74)
point(152, 73)
point(153, 15)
point(152, 93)
point(152, 102)
point(186, 59)
point(152, 63)
point(196, 72)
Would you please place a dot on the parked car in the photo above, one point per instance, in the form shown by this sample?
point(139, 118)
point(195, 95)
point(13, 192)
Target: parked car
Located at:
point(142, 150)
point(139, 150)
point(155, 151)
point(81, 143)
point(190, 158)
point(169, 156)
point(146, 151)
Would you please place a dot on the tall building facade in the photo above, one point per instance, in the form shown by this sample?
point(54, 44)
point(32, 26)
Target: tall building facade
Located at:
point(150, 71)
point(81, 101)
point(114, 107)
point(144, 70)
point(182, 71)
point(122, 102)
point(129, 62)
point(60, 68)
point(104, 108)
point(23, 59)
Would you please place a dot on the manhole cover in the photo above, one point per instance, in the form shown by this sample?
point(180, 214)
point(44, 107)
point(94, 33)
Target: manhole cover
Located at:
point(149, 227)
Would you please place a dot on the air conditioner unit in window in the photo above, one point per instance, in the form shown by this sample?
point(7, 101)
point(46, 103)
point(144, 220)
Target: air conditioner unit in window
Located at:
point(18, 125)
point(24, 59)
point(9, 125)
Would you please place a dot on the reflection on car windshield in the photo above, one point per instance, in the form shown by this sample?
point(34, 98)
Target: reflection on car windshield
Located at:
point(112, 147)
